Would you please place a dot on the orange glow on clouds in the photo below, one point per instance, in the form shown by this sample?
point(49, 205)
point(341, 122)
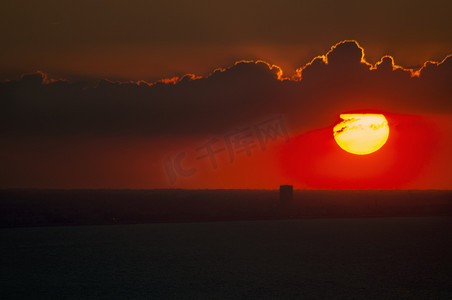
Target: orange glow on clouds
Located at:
point(280, 74)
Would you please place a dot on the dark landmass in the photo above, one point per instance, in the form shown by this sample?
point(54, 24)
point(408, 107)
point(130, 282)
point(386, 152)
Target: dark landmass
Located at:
point(347, 258)
point(30, 207)
point(341, 247)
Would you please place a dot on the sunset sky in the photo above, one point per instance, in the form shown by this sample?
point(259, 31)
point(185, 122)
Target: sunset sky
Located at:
point(236, 94)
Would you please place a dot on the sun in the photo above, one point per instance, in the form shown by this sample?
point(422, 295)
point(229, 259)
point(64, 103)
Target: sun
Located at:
point(361, 133)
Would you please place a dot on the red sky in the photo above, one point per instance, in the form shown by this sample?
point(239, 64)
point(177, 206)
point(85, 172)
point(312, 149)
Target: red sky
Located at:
point(417, 158)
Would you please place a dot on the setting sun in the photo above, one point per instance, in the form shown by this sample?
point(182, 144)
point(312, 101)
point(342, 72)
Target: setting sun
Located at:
point(361, 133)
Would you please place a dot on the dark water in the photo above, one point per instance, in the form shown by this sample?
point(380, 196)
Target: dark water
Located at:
point(381, 258)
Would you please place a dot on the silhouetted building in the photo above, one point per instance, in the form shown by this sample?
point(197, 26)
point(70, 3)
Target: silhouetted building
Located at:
point(285, 193)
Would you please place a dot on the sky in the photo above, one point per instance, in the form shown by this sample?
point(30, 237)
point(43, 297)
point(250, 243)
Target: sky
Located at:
point(149, 40)
point(236, 94)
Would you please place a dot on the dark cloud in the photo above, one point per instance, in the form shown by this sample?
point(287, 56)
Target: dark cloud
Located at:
point(337, 82)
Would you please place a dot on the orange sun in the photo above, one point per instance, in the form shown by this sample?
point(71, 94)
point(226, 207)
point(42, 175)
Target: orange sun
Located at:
point(361, 133)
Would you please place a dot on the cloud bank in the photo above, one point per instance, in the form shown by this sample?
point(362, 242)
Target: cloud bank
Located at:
point(339, 81)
